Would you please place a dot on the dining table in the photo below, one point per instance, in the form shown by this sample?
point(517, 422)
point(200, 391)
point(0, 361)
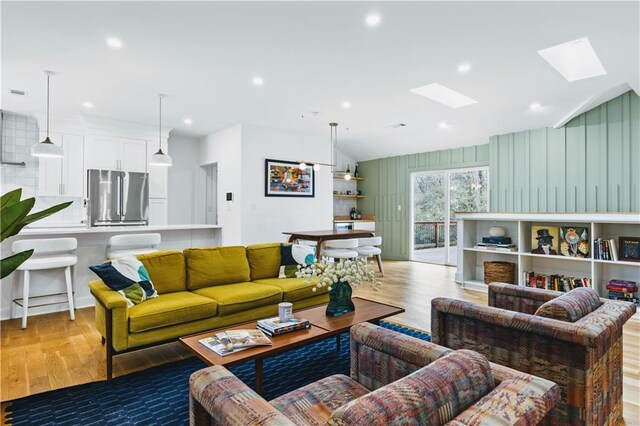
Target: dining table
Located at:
point(321, 236)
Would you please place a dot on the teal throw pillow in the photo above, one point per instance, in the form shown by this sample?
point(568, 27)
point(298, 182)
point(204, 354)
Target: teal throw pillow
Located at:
point(292, 255)
point(128, 276)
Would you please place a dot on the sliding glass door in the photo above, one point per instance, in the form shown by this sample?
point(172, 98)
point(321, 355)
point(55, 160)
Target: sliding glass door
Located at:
point(437, 196)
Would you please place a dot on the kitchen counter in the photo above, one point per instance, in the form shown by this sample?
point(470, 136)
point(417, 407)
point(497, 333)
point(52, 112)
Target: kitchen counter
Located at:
point(57, 230)
point(92, 250)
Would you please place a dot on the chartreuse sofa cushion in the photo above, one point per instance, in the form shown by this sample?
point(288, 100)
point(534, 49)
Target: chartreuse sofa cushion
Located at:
point(216, 266)
point(264, 260)
point(239, 297)
point(294, 289)
point(168, 309)
point(166, 269)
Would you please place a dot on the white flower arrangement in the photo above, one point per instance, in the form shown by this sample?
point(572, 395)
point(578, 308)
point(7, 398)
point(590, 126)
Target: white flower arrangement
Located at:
point(325, 273)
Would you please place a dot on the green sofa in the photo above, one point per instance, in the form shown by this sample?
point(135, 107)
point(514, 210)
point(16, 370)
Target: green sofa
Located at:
point(199, 289)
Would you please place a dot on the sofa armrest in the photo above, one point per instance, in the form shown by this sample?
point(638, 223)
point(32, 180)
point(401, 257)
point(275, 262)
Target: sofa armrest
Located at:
point(380, 356)
point(111, 312)
point(519, 299)
point(519, 400)
point(483, 317)
point(107, 297)
point(217, 397)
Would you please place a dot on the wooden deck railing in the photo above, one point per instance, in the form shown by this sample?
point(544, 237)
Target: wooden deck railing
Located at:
point(431, 234)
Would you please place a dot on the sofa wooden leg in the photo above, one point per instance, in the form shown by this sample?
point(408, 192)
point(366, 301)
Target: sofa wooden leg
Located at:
point(109, 343)
point(103, 340)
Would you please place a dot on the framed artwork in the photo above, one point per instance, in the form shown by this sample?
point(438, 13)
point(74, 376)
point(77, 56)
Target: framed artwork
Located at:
point(544, 240)
point(574, 241)
point(286, 179)
point(629, 249)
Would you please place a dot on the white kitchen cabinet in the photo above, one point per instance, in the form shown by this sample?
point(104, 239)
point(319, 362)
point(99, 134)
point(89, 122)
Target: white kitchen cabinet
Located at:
point(364, 226)
point(133, 155)
point(114, 153)
point(158, 175)
point(157, 211)
point(63, 176)
point(104, 153)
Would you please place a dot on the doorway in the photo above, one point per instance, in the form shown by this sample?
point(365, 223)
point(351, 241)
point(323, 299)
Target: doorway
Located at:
point(211, 194)
point(436, 197)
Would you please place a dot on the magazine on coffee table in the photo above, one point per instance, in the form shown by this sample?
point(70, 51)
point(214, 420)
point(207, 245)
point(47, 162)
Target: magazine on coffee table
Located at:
point(232, 341)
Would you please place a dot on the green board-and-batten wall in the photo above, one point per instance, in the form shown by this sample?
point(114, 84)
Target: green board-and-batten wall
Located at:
point(387, 186)
point(592, 164)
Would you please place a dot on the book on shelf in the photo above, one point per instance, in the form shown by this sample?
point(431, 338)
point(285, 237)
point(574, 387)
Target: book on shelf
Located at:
point(553, 282)
point(275, 327)
point(232, 341)
point(623, 290)
point(496, 240)
point(496, 247)
point(605, 249)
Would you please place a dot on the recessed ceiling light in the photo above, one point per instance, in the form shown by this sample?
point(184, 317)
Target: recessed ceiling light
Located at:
point(257, 80)
point(443, 125)
point(575, 60)
point(373, 20)
point(188, 121)
point(87, 104)
point(444, 95)
point(535, 106)
point(463, 68)
point(114, 43)
point(346, 105)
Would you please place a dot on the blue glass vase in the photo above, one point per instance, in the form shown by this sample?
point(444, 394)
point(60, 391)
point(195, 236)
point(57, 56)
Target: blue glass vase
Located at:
point(340, 299)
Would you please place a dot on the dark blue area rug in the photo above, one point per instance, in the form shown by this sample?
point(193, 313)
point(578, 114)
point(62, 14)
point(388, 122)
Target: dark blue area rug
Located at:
point(160, 395)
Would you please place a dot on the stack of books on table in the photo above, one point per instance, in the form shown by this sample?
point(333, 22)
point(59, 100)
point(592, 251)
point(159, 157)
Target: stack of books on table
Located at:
point(623, 290)
point(275, 327)
point(231, 341)
point(496, 244)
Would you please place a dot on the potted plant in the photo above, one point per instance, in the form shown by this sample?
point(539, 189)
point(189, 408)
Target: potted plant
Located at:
point(14, 215)
point(340, 277)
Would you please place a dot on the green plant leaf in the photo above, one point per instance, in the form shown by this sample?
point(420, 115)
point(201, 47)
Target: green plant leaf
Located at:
point(40, 215)
point(11, 263)
point(13, 215)
point(10, 198)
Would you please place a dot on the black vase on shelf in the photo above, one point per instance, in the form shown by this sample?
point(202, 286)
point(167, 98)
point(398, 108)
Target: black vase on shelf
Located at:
point(355, 172)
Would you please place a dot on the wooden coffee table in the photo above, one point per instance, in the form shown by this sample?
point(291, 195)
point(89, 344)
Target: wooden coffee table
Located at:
point(322, 327)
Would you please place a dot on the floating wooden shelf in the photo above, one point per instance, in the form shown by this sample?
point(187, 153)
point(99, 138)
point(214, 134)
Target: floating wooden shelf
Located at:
point(341, 177)
point(347, 196)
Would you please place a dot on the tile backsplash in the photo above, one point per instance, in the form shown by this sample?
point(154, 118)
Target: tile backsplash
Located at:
point(19, 132)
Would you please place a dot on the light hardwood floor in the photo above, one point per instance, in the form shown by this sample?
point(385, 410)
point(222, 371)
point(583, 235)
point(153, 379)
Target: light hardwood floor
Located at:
point(54, 352)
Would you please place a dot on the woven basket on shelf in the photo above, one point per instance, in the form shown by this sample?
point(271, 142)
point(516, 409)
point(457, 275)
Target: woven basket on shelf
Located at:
point(503, 272)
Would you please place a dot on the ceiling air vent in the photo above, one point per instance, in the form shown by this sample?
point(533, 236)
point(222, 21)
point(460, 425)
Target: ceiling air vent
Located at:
point(17, 92)
point(397, 126)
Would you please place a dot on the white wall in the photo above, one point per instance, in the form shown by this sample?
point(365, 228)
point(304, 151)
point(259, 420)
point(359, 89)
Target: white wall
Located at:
point(265, 218)
point(184, 180)
point(224, 149)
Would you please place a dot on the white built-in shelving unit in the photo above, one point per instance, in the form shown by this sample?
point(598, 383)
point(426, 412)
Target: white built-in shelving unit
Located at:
point(473, 226)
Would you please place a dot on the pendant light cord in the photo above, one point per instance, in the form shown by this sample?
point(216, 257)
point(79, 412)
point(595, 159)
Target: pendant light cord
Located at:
point(160, 124)
point(48, 78)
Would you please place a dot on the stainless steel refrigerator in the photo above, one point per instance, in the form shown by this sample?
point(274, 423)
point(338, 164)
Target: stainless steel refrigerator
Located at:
point(118, 198)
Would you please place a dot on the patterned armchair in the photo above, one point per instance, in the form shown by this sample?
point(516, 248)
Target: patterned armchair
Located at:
point(395, 379)
point(573, 339)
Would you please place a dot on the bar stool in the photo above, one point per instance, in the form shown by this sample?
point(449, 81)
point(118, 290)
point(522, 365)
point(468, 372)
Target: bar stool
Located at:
point(340, 249)
point(126, 244)
point(367, 247)
point(51, 253)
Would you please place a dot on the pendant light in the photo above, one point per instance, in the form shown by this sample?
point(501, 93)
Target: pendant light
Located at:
point(46, 148)
point(347, 174)
point(160, 158)
point(302, 165)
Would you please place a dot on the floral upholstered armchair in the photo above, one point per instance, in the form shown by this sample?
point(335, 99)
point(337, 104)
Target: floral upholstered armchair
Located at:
point(573, 339)
point(395, 379)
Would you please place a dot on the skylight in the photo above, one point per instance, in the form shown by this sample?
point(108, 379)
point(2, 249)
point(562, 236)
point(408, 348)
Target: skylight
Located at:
point(575, 60)
point(444, 95)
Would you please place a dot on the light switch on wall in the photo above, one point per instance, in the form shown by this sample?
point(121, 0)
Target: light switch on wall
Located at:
point(399, 207)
